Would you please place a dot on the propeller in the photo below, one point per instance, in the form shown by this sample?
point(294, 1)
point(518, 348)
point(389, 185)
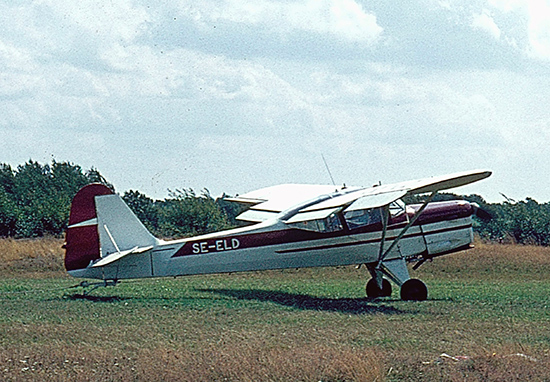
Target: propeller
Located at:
point(481, 213)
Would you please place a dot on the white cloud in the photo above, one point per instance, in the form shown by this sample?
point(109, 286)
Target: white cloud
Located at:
point(507, 5)
point(344, 19)
point(15, 58)
point(522, 25)
point(120, 21)
point(539, 28)
point(485, 22)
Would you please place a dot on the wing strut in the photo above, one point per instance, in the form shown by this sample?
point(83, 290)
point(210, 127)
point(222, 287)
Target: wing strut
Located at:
point(385, 219)
point(395, 269)
point(403, 231)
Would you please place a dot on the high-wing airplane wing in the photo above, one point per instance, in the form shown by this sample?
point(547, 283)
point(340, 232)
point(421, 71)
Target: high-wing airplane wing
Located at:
point(437, 183)
point(302, 202)
point(279, 198)
point(267, 203)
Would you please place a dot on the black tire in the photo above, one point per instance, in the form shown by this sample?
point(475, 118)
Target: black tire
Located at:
point(414, 290)
point(373, 291)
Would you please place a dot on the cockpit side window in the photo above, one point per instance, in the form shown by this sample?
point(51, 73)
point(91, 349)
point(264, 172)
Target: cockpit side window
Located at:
point(360, 218)
point(353, 219)
point(329, 224)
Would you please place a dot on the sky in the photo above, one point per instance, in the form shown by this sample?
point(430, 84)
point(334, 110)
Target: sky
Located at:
point(232, 95)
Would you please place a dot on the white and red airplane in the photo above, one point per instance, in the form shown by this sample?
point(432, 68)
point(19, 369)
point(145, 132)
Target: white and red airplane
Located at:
point(295, 226)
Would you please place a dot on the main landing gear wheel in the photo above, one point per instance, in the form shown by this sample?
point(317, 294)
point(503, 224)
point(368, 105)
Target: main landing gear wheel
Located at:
point(414, 290)
point(373, 291)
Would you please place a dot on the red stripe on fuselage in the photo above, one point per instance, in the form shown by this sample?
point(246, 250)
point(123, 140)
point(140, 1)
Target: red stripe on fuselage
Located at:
point(434, 212)
point(286, 237)
point(363, 242)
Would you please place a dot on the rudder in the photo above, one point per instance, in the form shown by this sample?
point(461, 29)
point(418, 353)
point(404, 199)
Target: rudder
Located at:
point(82, 237)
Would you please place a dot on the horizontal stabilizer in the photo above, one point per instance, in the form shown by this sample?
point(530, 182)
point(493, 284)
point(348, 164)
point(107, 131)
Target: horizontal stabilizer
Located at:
point(119, 255)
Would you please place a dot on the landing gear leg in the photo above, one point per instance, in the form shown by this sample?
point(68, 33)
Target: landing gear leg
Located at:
point(396, 270)
point(414, 290)
point(374, 291)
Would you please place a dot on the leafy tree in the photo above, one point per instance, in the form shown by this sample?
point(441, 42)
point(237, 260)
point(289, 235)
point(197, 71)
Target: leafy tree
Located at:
point(186, 214)
point(145, 208)
point(8, 214)
point(93, 176)
point(524, 222)
point(230, 209)
point(7, 178)
point(35, 199)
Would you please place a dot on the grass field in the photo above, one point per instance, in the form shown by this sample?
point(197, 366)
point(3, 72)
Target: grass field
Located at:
point(487, 319)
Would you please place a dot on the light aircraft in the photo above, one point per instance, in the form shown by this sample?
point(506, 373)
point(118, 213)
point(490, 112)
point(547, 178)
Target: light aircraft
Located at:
point(294, 226)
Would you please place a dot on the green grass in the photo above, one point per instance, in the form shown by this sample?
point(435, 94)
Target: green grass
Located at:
point(488, 307)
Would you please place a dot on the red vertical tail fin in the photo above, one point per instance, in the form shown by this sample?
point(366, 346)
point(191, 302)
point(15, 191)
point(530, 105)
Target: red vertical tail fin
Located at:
point(82, 237)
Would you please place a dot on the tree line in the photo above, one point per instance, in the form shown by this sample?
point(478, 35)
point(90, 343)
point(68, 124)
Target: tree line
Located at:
point(35, 201)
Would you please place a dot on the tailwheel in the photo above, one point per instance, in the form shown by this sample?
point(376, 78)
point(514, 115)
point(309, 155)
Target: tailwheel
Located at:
point(373, 291)
point(414, 290)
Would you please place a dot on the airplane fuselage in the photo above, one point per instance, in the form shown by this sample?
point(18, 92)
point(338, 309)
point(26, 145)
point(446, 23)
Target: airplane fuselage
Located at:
point(442, 228)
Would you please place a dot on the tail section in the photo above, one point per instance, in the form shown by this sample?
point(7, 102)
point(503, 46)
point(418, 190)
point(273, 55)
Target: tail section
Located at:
point(101, 224)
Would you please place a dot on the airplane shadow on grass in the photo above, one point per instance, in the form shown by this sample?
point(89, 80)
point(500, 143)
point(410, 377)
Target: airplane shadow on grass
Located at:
point(307, 302)
point(292, 300)
point(89, 297)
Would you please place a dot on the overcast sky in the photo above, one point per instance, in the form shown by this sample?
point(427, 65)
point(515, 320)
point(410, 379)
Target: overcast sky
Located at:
point(238, 95)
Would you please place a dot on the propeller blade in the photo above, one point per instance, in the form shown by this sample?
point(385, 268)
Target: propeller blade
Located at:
point(481, 213)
